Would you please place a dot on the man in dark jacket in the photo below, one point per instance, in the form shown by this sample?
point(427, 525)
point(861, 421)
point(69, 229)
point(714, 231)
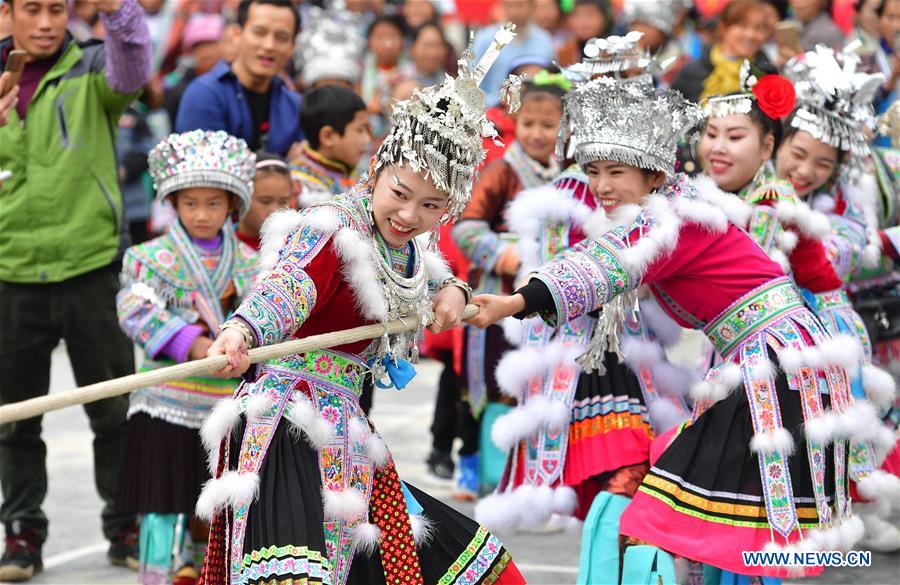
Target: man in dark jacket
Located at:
point(247, 99)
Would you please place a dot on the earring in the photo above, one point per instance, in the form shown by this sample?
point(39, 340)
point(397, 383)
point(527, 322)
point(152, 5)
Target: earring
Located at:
point(760, 175)
point(433, 239)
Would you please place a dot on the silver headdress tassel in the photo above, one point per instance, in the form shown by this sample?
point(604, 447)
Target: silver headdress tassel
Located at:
point(439, 131)
point(330, 47)
point(834, 98)
point(612, 55)
point(632, 123)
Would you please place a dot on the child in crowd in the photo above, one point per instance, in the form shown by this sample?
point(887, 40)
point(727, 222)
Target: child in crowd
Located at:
point(336, 125)
point(503, 121)
point(588, 19)
point(272, 190)
point(177, 290)
point(383, 65)
point(481, 235)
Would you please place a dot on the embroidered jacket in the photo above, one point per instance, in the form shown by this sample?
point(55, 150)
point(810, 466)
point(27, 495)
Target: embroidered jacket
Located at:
point(167, 286)
point(317, 179)
point(543, 375)
point(297, 284)
point(482, 233)
point(685, 245)
point(871, 281)
point(321, 275)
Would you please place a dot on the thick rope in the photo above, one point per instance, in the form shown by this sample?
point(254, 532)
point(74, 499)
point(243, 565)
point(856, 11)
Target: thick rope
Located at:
point(44, 404)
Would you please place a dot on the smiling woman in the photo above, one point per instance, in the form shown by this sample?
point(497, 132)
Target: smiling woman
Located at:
point(405, 204)
point(750, 469)
point(304, 487)
point(615, 184)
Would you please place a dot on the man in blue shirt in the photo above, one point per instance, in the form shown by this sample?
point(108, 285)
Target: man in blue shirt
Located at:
point(530, 40)
point(247, 99)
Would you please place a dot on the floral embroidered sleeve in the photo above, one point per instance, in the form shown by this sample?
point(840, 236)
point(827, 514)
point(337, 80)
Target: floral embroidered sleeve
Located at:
point(282, 301)
point(845, 245)
point(142, 311)
point(482, 245)
point(764, 227)
point(589, 275)
point(790, 233)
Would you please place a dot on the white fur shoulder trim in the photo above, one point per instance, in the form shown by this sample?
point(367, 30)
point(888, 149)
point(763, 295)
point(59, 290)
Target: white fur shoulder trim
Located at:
point(280, 224)
point(359, 261)
point(435, 265)
point(534, 208)
point(729, 208)
point(798, 214)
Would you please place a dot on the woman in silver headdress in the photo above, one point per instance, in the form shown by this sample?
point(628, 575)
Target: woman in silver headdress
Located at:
point(827, 158)
point(578, 442)
point(304, 488)
point(743, 131)
point(759, 465)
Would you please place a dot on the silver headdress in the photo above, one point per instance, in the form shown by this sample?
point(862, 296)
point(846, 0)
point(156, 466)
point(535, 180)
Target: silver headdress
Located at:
point(660, 14)
point(331, 46)
point(834, 98)
point(632, 123)
point(439, 131)
point(611, 55)
point(203, 158)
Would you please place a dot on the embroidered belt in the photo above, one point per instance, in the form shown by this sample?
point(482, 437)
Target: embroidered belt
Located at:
point(752, 313)
point(342, 372)
point(834, 299)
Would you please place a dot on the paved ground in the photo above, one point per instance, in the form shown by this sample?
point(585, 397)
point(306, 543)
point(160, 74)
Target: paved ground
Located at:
point(75, 551)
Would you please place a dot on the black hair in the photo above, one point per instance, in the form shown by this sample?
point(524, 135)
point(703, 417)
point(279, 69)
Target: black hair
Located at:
point(263, 157)
point(766, 125)
point(417, 32)
point(763, 122)
point(879, 9)
point(531, 90)
point(244, 10)
point(329, 105)
point(394, 20)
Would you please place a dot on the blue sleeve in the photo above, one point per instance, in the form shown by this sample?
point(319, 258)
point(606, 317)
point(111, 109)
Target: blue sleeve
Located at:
point(199, 109)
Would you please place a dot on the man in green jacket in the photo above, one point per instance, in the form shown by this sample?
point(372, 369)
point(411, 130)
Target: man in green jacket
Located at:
point(61, 240)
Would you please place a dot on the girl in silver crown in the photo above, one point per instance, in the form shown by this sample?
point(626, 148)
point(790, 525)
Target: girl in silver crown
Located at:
point(304, 488)
point(177, 290)
point(760, 464)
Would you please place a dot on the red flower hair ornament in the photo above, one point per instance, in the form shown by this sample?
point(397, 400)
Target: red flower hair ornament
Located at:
point(775, 95)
